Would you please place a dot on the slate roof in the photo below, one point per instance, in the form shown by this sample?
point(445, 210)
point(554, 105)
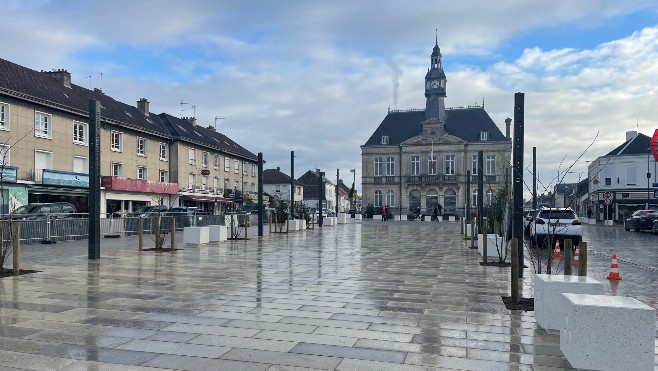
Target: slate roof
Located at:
point(43, 88)
point(276, 176)
point(185, 130)
point(464, 123)
point(343, 188)
point(639, 145)
point(310, 180)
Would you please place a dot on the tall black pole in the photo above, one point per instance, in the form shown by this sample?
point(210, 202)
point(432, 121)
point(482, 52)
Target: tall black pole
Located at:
point(94, 199)
point(320, 197)
point(517, 173)
point(534, 178)
point(260, 194)
point(480, 189)
point(337, 182)
point(292, 183)
point(468, 196)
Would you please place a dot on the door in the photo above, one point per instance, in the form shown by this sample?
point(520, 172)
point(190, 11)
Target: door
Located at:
point(450, 200)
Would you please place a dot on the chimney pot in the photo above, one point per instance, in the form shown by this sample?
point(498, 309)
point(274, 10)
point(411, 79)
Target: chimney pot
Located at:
point(508, 122)
point(278, 168)
point(62, 76)
point(630, 135)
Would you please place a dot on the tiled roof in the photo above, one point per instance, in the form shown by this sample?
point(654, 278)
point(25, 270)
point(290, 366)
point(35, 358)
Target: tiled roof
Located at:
point(185, 130)
point(639, 145)
point(275, 176)
point(43, 88)
point(464, 123)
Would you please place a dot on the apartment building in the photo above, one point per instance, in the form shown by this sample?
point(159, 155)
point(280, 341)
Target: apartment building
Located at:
point(277, 184)
point(44, 148)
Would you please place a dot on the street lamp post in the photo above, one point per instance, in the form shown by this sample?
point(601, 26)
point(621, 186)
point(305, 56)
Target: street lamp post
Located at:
point(648, 179)
point(352, 197)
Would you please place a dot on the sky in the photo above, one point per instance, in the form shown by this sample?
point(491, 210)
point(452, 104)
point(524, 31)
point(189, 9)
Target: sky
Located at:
point(318, 77)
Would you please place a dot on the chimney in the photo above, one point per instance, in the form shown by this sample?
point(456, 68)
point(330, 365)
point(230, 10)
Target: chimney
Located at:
point(210, 127)
point(62, 76)
point(630, 135)
point(143, 106)
point(508, 122)
point(192, 120)
point(278, 168)
point(97, 90)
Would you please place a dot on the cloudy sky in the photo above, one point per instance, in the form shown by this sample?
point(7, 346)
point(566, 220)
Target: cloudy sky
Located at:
point(317, 77)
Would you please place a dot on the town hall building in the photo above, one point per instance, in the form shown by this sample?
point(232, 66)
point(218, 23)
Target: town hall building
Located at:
point(417, 159)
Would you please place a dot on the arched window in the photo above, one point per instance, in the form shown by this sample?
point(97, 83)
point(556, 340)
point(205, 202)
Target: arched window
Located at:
point(378, 199)
point(390, 198)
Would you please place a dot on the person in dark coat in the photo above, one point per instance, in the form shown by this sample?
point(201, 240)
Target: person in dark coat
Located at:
point(440, 208)
point(435, 214)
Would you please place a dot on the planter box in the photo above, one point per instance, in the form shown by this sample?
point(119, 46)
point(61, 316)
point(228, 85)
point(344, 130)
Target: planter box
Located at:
point(196, 235)
point(217, 233)
point(451, 218)
point(608, 333)
point(342, 218)
point(492, 249)
point(302, 224)
point(358, 217)
point(427, 218)
point(549, 311)
point(468, 230)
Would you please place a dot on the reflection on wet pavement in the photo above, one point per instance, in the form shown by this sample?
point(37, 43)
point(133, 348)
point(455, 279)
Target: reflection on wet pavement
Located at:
point(398, 296)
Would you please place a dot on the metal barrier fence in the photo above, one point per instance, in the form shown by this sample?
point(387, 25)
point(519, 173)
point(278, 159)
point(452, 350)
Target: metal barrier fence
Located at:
point(58, 228)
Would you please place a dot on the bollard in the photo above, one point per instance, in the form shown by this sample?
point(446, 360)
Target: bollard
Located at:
point(16, 245)
point(461, 225)
point(158, 242)
point(515, 271)
point(473, 234)
point(246, 226)
point(140, 233)
point(568, 252)
point(173, 234)
point(484, 241)
point(582, 264)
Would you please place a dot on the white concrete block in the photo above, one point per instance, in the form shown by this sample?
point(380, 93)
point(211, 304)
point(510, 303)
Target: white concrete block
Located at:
point(293, 225)
point(333, 220)
point(494, 243)
point(468, 230)
point(358, 217)
point(451, 218)
point(427, 218)
point(302, 224)
point(608, 332)
point(217, 233)
point(196, 235)
point(549, 288)
point(342, 218)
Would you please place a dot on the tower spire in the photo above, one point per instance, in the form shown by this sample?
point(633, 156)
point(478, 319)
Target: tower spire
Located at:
point(436, 38)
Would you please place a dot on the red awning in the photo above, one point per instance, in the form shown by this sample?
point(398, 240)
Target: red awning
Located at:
point(207, 198)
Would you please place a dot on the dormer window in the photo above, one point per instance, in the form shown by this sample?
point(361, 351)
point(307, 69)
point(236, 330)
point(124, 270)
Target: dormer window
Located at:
point(484, 135)
point(384, 139)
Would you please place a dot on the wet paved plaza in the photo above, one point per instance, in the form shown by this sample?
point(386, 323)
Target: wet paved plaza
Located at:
point(366, 296)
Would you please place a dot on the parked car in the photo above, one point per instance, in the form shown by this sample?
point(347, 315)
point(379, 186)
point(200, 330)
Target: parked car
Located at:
point(551, 224)
point(641, 220)
point(146, 211)
point(654, 227)
point(249, 209)
point(35, 211)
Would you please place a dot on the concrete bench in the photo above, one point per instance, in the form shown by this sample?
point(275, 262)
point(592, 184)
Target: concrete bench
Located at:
point(549, 288)
point(608, 332)
point(492, 248)
point(217, 233)
point(342, 218)
point(293, 225)
point(196, 235)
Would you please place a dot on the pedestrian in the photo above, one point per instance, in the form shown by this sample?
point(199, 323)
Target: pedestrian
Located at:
point(434, 214)
point(440, 208)
point(383, 214)
point(589, 213)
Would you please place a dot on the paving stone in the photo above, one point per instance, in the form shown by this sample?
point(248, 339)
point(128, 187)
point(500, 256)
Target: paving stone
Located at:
point(245, 343)
point(91, 353)
point(365, 365)
point(203, 364)
point(287, 359)
point(28, 361)
point(309, 338)
point(349, 352)
point(212, 330)
point(98, 366)
point(164, 347)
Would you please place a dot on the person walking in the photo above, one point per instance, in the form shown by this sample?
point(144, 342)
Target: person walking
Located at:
point(383, 214)
point(435, 214)
point(440, 208)
point(589, 213)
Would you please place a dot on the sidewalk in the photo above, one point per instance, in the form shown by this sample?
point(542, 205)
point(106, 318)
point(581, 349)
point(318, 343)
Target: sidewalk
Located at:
point(366, 296)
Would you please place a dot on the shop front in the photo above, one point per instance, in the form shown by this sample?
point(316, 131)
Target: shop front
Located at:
point(61, 186)
point(121, 196)
point(13, 195)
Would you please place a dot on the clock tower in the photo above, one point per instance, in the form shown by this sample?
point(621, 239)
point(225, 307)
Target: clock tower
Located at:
point(435, 87)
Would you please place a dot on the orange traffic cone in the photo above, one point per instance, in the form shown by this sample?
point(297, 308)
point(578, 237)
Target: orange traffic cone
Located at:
point(576, 257)
point(556, 252)
point(614, 269)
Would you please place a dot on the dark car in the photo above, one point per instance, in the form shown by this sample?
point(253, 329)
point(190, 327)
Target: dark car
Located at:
point(654, 227)
point(146, 211)
point(35, 211)
point(641, 220)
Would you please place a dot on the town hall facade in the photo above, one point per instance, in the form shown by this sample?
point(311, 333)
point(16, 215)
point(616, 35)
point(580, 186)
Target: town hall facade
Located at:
point(418, 159)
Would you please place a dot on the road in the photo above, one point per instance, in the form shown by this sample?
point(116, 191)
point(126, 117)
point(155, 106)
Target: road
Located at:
point(637, 254)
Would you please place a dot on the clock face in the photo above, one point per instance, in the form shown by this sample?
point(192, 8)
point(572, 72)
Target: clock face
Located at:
point(435, 84)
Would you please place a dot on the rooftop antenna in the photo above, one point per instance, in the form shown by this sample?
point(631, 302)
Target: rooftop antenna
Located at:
point(218, 118)
point(482, 102)
point(436, 40)
point(189, 104)
point(101, 81)
point(89, 77)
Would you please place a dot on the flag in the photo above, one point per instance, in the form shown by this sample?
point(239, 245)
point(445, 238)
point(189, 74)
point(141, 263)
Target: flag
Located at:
point(432, 169)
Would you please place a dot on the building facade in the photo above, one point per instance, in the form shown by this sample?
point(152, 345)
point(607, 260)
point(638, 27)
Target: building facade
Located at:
point(418, 159)
point(277, 184)
point(627, 173)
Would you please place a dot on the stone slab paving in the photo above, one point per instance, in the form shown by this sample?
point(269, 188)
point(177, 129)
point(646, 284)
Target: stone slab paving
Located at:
point(366, 296)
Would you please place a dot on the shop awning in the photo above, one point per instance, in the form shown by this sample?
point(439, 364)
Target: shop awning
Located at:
point(37, 189)
point(206, 198)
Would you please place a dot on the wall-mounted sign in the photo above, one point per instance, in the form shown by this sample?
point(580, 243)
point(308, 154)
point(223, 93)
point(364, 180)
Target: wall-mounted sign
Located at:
point(205, 172)
point(8, 174)
point(65, 178)
point(138, 185)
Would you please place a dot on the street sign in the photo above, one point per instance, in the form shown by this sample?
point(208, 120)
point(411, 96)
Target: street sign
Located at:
point(607, 201)
point(607, 195)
